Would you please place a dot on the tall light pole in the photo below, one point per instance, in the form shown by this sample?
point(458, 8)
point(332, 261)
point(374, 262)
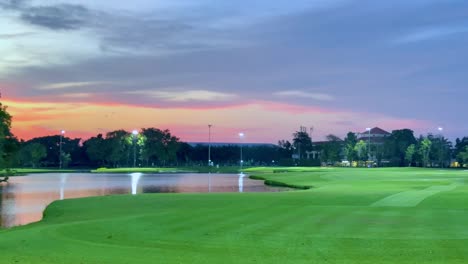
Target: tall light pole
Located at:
point(241, 136)
point(134, 137)
point(60, 148)
point(441, 143)
point(209, 145)
point(441, 129)
point(368, 147)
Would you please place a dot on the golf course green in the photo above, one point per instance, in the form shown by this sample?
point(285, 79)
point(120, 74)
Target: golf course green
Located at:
point(349, 215)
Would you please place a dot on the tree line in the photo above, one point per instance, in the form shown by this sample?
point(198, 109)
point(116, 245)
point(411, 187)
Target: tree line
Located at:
point(151, 147)
point(400, 148)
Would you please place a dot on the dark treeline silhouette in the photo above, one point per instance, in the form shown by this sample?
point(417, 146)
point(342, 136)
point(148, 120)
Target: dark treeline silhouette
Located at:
point(8, 142)
point(398, 149)
point(151, 147)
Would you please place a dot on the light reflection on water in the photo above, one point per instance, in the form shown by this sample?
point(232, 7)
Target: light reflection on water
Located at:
point(23, 199)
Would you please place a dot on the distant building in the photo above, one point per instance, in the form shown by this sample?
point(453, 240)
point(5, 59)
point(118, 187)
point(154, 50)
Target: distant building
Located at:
point(317, 147)
point(376, 136)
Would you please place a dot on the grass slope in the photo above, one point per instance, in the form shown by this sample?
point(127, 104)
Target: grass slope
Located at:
point(336, 221)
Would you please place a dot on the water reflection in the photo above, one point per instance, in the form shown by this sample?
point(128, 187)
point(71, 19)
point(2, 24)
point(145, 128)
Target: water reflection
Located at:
point(23, 199)
point(63, 180)
point(241, 182)
point(135, 178)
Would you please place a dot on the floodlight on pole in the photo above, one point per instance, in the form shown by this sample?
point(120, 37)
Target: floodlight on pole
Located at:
point(62, 133)
point(440, 130)
point(134, 137)
point(368, 147)
point(441, 143)
point(241, 136)
point(209, 145)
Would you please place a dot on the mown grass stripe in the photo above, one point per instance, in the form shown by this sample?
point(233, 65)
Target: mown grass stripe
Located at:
point(413, 198)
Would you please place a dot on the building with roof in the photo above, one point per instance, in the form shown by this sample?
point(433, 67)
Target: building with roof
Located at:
point(375, 136)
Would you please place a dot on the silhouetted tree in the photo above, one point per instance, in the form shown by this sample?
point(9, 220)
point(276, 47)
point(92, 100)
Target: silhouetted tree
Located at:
point(118, 148)
point(349, 148)
point(460, 146)
point(32, 154)
point(71, 149)
point(425, 150)
point(331, 150)
point(285, 149)
point(397, 144)
point(302, 143)
point(159, 146)
point(463, 156)
point(361, 150)
point(409, 155)
point(8, 142)
point(96, 150)
point(440, 152)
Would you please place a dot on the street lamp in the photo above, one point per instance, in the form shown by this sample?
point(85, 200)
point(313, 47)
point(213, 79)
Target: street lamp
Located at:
point(241, 136)
point(135, 134)
point(60, 148)
point(209, 145)
point(368, 147)
point(441, 143)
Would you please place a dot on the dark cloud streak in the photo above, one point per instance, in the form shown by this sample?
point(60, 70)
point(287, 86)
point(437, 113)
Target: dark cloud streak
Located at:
point(58, 17)
point(16, 35)
point(13, 4)
point(123, 32)
point(54, 17)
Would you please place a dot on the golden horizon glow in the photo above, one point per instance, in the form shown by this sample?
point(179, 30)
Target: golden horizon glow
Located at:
point(261, 121)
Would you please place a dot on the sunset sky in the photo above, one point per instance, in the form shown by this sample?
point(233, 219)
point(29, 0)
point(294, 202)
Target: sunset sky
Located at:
point(259, 66)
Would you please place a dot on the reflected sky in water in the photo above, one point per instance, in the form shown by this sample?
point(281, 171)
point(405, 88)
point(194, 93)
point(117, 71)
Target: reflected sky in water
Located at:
point(23, 199)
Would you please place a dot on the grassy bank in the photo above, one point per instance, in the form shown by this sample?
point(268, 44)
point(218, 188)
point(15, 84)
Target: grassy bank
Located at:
point(141, 170)
point(349, 216)
point(24, 171)
point(194, 169)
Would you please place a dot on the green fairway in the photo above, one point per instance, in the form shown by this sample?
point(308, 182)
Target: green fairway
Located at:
point(348, 215)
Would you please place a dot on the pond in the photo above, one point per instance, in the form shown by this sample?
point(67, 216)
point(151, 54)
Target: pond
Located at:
point(23, 199)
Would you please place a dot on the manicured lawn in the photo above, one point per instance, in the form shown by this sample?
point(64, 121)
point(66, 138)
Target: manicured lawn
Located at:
point(348, 216)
